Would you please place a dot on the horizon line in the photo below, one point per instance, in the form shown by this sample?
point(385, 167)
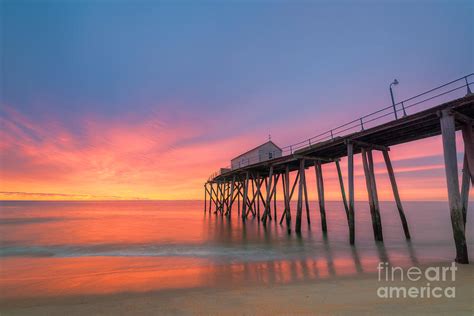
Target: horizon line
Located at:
point(193, 200)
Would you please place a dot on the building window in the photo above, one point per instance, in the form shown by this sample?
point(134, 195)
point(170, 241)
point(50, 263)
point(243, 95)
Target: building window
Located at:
point(270, 155)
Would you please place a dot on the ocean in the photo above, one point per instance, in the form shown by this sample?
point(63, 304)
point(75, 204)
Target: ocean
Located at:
point(50, 249)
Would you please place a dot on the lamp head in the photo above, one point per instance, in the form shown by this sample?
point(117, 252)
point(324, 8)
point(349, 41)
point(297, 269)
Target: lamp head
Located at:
point(395, 82)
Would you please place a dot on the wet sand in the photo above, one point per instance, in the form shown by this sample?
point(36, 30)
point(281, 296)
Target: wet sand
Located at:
point(339, 295)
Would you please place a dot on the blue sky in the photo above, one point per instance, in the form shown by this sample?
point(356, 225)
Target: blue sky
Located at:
point(110, 56)
point(235, 67)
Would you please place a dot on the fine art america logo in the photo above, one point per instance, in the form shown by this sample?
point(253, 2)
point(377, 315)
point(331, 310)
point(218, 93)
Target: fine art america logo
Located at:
point(436, 282)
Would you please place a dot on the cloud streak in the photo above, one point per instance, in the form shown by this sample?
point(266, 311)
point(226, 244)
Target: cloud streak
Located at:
point(126, 158)
point(169, 156)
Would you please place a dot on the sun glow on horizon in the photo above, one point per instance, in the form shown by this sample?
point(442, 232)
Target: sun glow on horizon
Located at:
point(153, 160)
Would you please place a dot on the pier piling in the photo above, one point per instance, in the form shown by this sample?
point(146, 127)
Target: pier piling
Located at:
point(343, 191)
point(450, 163)
point(299, 208)
point(266, 213)
point(205, 197)
point(320, 186)
point(375, 198)
point(244, 198)
point(465, 185)
point(306, 200)
point(275, 201)
point(287, 199)
point(350, 176)
point(396, 195)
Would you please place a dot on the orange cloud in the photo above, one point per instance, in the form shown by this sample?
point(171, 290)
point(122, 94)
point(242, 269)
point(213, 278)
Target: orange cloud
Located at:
point(167, 158)
point(118, 158)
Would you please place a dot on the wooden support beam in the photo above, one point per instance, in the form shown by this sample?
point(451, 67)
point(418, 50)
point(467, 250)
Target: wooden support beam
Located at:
point(218, 197)
point(299, 207)
point(468, 138)
point(369, 192)
point(396, 195)
point(294, 184)
point(283, 162)
point(320, 186)
point(250, 202)
point(209, 192)
point(229, 196)
point(369, 145)
point(463, 118)
point(272, 192)
point(448, 132)
point(275, 199)
point(465, 184)
point(268, 197)
point(343, 191)
point(311, 158)
point(371, 196)
point(290, 196)
point(236, 194)
point(373, 185)
point(208, 184)
point(236, 189)
point(262, 198)
point(265, 199)
point(258, 201)
point(283, 183)
point(288, 199)
point(232, 188)
point(276, 177)
point(238, 200)
point(214, 198)
point(306, 200)
point(244, 199)
point(218, 189)
point(350, 177)
point(205, 197)
point(258, 182)
point(222, 197)
point(249, 207)
point(225, 204)
point(254, 197)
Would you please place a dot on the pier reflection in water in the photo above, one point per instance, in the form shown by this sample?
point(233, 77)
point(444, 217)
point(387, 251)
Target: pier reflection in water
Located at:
point(272, 256)
point(78, 248)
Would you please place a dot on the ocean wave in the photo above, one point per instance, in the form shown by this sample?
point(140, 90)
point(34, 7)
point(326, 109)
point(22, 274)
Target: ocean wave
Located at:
point(29, 220)
point(247, 252)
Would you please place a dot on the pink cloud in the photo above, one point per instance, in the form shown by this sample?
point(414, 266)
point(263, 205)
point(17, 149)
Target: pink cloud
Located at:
point(166, 157)
point(126, 157)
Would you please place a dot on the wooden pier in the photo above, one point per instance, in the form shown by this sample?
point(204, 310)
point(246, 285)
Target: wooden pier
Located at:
point(244, 189)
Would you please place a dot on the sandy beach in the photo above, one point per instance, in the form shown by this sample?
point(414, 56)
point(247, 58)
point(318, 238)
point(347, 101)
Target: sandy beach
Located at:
point(349, 295)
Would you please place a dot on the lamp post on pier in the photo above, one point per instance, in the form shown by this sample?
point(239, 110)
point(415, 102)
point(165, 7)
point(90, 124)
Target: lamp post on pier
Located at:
point(394, 83)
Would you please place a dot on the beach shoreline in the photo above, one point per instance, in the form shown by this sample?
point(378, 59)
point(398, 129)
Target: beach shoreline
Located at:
point(355, 294)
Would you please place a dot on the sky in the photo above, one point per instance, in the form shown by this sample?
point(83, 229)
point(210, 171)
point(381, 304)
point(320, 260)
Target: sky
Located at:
point(145, 99)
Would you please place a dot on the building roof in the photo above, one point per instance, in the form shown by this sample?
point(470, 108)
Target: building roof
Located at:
point(255, 149)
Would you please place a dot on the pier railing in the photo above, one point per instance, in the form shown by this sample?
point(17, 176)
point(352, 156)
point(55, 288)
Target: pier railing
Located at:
point(445, 92)
point(398, 110)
